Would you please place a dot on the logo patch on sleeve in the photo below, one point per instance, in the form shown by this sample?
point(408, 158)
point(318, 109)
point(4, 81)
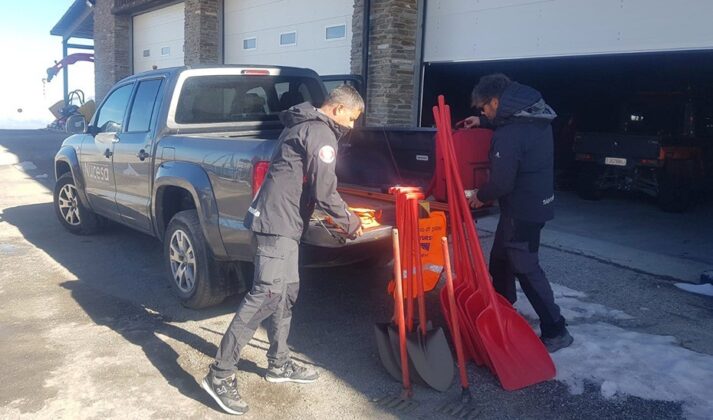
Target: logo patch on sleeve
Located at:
point(327, 154)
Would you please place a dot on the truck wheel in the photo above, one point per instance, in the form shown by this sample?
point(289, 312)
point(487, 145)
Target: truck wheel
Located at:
point(675, 188)
point(192, 271)
point(588, 182)
point(69, 208)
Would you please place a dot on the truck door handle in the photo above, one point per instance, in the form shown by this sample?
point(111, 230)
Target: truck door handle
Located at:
point(108, 153)
point(142, 154)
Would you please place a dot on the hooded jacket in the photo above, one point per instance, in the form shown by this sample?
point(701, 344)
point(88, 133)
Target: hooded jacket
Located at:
point(521, 156)
point(301, 177)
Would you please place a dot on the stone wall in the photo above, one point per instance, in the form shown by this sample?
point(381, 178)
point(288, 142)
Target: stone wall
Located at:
point(392, 60)
point(112, 47)
point(203, 32)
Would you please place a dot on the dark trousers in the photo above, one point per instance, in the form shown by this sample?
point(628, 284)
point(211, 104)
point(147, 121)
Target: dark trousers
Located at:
point(515, 255)
point(274, 292)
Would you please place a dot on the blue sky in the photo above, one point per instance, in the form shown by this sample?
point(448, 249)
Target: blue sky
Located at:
point(27, 50)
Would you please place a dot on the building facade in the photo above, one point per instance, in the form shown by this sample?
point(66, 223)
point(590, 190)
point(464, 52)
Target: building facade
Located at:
point(415, 48)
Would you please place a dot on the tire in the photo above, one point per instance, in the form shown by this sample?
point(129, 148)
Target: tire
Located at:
point(675, 188)
point(196, 278)
point(70, 211)
point(588, 182)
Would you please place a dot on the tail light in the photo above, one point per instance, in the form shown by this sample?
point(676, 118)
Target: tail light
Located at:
point(584, 156)
point(259, 171)
point(255, 72)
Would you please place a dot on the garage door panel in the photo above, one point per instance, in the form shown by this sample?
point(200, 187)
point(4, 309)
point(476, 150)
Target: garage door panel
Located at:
point(489, 30)
point(257, 19)
point(161, 32)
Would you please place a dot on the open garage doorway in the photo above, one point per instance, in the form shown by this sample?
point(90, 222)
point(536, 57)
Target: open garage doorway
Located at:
point(603, 94)
point(664, 94)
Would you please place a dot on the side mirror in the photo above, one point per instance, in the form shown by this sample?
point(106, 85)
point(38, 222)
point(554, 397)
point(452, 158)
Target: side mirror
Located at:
point(91, 130)
point(75, 124)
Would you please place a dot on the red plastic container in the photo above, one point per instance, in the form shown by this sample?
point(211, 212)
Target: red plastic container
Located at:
point(472, 147)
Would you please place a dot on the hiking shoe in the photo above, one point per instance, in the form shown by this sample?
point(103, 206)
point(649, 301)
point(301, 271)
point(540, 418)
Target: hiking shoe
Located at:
point(291, 372)
point(557, 342)
point(225, 392)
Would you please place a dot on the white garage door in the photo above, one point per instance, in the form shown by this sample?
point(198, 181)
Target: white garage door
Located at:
point(467, 30)
point(315, 34)
point(158, 38)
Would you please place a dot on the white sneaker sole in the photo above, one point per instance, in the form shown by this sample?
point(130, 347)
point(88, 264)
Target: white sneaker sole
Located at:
point(281, 380)
point(209, 390)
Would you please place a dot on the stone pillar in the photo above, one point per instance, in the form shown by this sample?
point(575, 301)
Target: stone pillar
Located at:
point(392, 60)
point(112, 47)
point(203, 32)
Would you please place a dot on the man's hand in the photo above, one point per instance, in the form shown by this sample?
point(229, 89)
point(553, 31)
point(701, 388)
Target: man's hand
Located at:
point(474, 202)
point(471, 122)
point(357, 234)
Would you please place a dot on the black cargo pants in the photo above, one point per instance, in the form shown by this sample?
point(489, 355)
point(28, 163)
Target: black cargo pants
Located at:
point(515, 255)
point(274, 292)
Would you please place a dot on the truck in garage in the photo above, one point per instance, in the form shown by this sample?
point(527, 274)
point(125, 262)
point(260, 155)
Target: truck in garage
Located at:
point(659, 150)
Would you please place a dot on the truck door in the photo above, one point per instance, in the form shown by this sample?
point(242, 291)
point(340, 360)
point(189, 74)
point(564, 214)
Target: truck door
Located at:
point(97, 152)
point(133, 156)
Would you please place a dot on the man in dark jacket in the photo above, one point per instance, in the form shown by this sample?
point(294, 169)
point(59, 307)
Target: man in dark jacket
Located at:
point(301, 177)
point(521, 179)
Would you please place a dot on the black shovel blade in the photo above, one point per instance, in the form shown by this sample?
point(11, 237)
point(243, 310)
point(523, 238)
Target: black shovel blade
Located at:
point(432, 358)
point(388, 352)
point(413, 373)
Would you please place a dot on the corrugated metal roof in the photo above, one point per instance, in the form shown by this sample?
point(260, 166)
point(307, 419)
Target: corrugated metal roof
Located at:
point(77, 22)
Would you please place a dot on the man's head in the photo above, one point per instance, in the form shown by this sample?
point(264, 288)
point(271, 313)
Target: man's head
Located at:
point(486, 94)
point(343, 106)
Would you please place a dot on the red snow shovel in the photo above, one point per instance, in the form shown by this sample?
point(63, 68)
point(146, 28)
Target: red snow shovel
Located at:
point(516, 354)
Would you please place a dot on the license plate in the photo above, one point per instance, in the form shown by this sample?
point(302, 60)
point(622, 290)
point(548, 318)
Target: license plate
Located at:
point(615, 161)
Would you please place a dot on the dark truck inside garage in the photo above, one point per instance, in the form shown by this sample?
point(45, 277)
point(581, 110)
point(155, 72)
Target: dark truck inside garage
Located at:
point(658, 150)
point(668, 96)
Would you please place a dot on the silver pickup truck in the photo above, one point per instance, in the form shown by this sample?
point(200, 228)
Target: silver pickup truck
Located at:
point(179, 154)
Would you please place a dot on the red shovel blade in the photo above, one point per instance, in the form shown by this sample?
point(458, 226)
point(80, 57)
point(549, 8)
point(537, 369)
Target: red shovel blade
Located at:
point(518, 356)
point(470, 333)
point(446, 310)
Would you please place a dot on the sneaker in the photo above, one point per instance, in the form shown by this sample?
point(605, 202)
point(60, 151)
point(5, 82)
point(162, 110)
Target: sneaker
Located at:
point(557, 342)
point(291, 372)
point(225, 393)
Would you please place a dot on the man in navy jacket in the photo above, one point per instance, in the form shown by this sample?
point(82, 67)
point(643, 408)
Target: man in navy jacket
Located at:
point(521, 179)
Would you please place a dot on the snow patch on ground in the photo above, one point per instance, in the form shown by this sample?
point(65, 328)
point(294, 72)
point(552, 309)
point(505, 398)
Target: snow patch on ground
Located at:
point(572, 307)
point(627, 363)
point(642, 365)
point(700, 289)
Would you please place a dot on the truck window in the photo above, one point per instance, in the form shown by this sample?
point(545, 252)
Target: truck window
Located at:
point(110, 117)
point(239, 98)
point(142, 108)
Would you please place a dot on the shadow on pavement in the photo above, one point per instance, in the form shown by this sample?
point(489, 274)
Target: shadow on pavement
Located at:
point(120, 284)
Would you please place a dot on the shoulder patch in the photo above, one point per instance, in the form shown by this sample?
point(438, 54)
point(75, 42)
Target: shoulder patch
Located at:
point(327, 154)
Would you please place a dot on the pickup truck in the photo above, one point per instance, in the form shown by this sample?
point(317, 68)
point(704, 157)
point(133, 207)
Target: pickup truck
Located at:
point(180, 153)
point(659, 150)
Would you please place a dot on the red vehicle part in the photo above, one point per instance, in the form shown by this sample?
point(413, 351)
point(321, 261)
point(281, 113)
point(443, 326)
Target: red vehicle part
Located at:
point(472, 147)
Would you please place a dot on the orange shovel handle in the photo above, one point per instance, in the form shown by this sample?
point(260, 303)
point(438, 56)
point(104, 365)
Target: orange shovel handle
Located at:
point(454, 315)
point(400, 311)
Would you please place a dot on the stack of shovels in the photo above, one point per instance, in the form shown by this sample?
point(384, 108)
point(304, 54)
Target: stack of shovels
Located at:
point(412, 350)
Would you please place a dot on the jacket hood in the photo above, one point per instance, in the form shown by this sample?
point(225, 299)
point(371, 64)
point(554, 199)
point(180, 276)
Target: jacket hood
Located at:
point(306, 112)
point(521, 101)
